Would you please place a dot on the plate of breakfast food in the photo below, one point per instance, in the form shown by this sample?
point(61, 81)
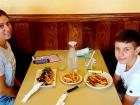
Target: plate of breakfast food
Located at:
point(47, 76)
point(71, 78)
point(98, 79)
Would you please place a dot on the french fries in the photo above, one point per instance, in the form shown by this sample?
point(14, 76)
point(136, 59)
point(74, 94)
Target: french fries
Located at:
point(70, 77)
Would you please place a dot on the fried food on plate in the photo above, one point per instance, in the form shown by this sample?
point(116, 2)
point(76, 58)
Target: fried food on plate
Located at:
point(70, 77)
point(96, 78)
point(47, 76)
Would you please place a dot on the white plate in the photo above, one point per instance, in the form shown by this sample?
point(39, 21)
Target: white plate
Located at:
point(71, 83)
point(38, 73)
point(104, 74)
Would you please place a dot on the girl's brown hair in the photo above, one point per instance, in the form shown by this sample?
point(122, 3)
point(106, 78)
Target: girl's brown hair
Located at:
point(3, 13)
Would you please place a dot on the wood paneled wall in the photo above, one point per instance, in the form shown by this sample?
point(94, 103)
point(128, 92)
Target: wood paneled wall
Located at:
point(53, 31)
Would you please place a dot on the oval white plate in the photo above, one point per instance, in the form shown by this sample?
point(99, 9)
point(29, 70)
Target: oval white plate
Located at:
point(38, 73)
point(71, 83)
point(104, 74)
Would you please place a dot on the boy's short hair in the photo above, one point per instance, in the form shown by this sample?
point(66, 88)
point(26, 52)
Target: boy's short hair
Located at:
point(3, 13)
point(127, 36)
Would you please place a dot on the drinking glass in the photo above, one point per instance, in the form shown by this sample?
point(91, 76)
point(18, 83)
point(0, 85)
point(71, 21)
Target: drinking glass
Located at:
point(62, 63)
point(89, 60)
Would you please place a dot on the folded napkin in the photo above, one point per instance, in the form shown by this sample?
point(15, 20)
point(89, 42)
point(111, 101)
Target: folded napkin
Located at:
point(62, 99)
point(63, 103)
point(64, 96)
point(82, 52)
point(32, 91)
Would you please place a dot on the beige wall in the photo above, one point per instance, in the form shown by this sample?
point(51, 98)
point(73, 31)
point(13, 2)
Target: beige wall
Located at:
point(69, 6)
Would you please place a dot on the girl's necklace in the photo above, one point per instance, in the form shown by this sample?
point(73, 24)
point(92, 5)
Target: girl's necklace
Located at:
point(3, 45)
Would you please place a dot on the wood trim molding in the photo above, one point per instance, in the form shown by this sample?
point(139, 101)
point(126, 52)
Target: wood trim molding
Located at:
point(46, 31)
point(73, 17)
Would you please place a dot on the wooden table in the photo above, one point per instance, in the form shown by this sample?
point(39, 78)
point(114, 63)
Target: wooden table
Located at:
point(82, 96)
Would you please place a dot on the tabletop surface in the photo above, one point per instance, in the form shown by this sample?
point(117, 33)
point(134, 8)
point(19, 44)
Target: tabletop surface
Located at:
point(84, 95)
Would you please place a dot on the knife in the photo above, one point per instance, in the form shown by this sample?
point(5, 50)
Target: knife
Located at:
point(72, 89)
point(64, 96)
